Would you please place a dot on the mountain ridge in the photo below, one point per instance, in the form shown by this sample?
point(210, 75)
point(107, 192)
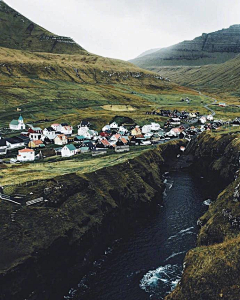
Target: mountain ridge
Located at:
point(209, 48)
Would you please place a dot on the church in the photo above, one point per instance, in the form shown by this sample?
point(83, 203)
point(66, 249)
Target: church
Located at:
point(17, 124)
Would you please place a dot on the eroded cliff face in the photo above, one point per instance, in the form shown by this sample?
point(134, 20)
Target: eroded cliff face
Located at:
point(225, 40)
point(48, 247)
point(209, 48)
point(212, 269)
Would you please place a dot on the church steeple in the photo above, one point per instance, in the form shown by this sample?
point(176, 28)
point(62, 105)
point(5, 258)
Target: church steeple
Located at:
point(20, 119)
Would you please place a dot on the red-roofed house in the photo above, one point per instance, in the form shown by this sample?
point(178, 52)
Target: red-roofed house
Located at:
point(115, 137)
point(103, 143)
point(136, 131)
point(57, 127)
point(36, 144)
point(26, 155)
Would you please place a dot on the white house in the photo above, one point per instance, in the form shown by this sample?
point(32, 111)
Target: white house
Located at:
point(35, 133)
point(210, 117)
point(114, 138)
point(106, 127)
point(57, 127)
point(114, 125)
point(83, 130)
point(26, 155)
point(192, 115)
point(50, 133)
point(146, 129)
point(14, 142)
point(155, 127)
point(122, 130)
point(17, 124)
point(203, 119)
point(174, 132)
point(66, 129)
point(68, 150)
point(61, 140)
point(33, 136)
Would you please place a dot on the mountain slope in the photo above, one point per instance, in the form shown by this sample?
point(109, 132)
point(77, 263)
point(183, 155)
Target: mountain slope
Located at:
point(220, 79)
point(68, 88)
point(213, 48)
point(18, 32)
point(70, 84)
point(148, 52)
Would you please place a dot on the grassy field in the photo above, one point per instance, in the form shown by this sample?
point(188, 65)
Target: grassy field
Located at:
point(50, 168)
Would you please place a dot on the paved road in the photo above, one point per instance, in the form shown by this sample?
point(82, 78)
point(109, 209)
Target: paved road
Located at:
point(206, 106)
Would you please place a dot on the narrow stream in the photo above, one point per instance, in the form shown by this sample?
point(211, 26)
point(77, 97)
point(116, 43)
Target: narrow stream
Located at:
point(148, 264)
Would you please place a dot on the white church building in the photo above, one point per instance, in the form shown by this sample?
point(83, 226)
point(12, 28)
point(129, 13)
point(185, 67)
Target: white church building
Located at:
point(17, 124)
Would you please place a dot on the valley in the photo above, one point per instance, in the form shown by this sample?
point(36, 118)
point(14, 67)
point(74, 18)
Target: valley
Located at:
point(93, 147)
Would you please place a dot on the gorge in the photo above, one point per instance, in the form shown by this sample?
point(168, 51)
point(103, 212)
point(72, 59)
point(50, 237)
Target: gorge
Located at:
point(111, 212)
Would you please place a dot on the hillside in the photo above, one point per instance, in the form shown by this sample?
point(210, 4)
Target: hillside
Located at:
point(209, 48)
point(66, 83)
point(222, 80)
point(72, 87)
point(18, 32)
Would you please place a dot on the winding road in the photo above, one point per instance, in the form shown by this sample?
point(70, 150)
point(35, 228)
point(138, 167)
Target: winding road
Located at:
point(206, 106)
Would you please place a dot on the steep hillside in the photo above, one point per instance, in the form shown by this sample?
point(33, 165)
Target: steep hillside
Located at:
point(222, 80)
point(213, 48)
point(17, 32)
point(212, 269)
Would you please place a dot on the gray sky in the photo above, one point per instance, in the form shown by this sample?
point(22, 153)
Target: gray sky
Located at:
point(125, 28)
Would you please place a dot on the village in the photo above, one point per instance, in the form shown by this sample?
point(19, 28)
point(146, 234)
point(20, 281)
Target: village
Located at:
point(27, 143)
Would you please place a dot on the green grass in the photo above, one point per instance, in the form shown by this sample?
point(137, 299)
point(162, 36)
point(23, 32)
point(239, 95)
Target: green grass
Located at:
point(55, 166)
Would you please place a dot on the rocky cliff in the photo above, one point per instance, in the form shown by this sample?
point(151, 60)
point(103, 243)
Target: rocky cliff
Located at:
point(209, 48)
point(45, 248)
point(212, 269)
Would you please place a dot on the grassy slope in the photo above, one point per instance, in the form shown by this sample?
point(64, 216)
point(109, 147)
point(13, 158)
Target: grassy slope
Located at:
point(18, 32)
point(50, 168)
point(223, 80)
point(72, 87)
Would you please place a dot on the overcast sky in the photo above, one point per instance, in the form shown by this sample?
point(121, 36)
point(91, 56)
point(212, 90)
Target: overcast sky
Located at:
point(125, 28)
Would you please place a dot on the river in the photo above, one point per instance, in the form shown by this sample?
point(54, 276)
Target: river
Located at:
point(147, 264)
